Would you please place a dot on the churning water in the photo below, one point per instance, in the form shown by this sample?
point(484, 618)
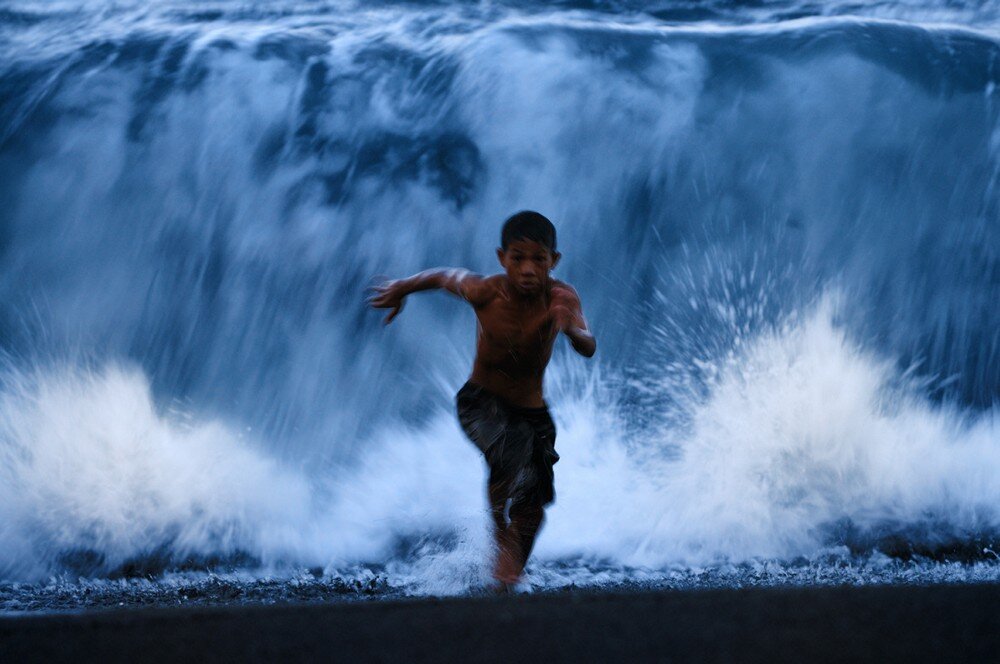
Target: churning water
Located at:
point(782, 219)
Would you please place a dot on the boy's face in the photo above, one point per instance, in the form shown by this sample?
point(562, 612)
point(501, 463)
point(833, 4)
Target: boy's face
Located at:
point(528, 264)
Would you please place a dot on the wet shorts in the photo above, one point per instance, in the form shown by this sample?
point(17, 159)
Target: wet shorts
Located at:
point(518, 443)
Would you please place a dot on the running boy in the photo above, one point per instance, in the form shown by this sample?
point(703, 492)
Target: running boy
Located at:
point(501, 408)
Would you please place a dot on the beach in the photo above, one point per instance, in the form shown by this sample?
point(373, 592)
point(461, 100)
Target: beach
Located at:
point(923, 623)
point(779, 220)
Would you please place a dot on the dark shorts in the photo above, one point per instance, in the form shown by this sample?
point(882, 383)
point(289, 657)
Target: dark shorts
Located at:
point(518, 443)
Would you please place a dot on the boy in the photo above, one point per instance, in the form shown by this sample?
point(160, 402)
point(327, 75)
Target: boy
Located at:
point(501, 408)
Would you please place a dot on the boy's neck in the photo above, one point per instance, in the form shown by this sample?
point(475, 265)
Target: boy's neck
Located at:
point(520, 297)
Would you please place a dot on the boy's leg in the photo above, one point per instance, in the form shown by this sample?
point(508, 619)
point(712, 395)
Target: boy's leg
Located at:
point(515, 540)
point(526, 520)
point(508, 565)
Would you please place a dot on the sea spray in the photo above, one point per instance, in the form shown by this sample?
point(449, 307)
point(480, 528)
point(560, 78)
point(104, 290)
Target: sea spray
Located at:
point(802, 444)
point(94, 478)
point(198, 200)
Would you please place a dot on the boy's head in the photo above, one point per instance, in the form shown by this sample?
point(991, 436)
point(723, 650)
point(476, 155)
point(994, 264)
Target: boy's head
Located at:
point(528, 251)
point(528, 225)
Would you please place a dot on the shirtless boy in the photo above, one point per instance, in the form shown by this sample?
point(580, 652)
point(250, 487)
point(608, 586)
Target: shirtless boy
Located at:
point(501, 409)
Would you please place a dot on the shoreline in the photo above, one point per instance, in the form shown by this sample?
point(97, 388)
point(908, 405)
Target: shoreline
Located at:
point(755, 624)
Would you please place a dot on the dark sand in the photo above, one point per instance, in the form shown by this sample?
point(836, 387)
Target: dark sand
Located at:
point(894, 623)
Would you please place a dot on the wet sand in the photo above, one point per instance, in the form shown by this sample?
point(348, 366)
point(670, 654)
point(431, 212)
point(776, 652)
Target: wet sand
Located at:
point(930, 623)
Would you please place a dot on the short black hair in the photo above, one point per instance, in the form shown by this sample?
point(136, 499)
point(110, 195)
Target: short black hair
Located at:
point(528, 225)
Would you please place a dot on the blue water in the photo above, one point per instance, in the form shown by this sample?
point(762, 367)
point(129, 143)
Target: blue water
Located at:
point(782, 218)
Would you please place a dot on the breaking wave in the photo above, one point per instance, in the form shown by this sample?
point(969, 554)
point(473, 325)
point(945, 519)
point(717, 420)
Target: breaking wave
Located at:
point(783, 228)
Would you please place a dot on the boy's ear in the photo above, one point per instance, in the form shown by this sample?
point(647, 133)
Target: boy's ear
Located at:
point(555, 258)
point(500, 257)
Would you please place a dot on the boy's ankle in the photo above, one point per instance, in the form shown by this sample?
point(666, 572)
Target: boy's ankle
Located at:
point(502, 588)
point(507, 578)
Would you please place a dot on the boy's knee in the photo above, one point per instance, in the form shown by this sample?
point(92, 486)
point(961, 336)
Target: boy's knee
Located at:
point(533, 510)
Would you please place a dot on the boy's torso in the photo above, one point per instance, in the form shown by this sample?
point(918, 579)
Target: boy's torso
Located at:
point(514, 344)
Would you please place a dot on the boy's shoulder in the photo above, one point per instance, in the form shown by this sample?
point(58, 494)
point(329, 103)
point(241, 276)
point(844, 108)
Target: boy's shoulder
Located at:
point(558, 283)
point(561, 288)
point(483, 290)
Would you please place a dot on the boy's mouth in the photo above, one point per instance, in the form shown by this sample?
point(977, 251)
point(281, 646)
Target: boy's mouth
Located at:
point(529, 284)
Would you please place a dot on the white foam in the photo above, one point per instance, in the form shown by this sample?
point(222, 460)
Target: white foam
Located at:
point(88, 465)
point(800, 431)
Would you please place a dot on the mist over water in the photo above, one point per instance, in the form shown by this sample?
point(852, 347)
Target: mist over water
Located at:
point(783, 228)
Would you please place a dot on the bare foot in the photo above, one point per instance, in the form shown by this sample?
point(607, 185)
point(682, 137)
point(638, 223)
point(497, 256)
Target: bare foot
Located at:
point(502, 588)
point(507, 569)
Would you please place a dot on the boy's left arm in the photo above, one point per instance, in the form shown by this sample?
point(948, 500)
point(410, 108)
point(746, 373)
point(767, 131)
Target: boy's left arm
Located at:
point(567, 314)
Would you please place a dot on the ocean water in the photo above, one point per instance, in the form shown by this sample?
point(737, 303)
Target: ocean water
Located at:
point(782, 218)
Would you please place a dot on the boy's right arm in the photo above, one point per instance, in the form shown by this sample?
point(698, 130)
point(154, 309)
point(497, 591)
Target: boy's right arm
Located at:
point(473, 288)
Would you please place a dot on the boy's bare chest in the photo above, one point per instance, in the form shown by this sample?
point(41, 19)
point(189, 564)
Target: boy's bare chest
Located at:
point(515, 327)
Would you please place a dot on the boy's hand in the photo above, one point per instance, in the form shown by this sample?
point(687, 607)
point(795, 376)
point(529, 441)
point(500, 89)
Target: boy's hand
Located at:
point(388, 295)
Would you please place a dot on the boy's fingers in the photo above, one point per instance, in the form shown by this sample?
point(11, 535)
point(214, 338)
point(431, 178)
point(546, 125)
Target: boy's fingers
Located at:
point(392, 314)
point(381, 283)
